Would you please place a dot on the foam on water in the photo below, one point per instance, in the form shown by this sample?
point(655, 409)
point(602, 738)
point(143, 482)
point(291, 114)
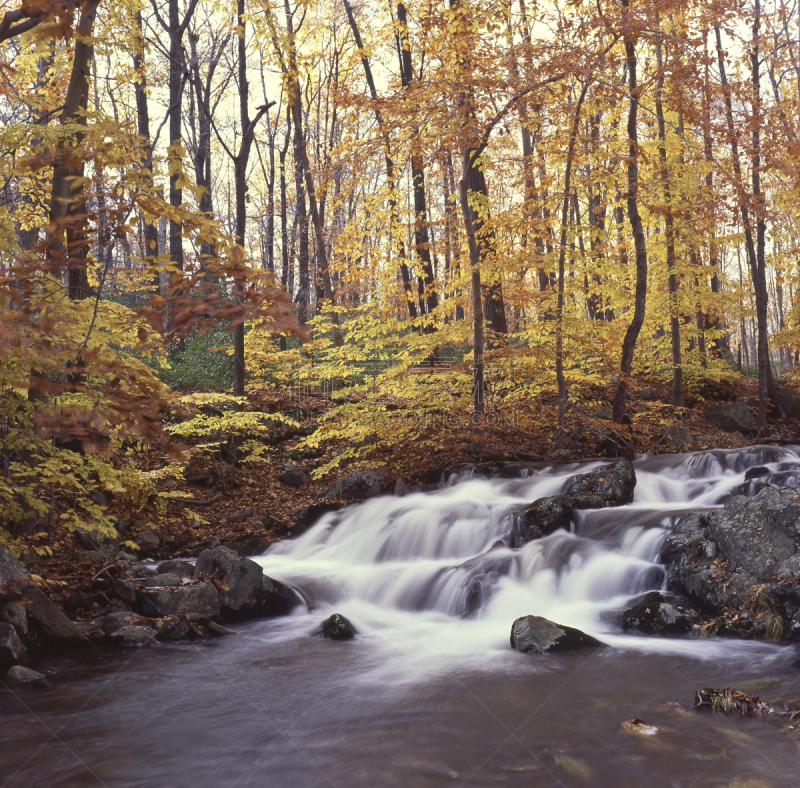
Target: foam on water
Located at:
point(430, 589)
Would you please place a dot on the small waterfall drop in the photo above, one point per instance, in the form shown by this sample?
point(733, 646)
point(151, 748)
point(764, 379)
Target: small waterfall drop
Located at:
point(430, 579)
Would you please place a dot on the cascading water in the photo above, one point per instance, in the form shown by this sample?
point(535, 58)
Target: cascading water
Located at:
point(431, 574)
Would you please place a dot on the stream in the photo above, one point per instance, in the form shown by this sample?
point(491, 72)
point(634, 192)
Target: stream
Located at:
point(430, 692)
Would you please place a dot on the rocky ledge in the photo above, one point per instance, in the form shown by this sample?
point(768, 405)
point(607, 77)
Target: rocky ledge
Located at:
point(176, 601)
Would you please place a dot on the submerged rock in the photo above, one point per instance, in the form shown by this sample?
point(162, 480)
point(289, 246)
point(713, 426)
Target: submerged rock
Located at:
point(337, 627)
point(611, 485)
point(660, 614)
point(537, 635)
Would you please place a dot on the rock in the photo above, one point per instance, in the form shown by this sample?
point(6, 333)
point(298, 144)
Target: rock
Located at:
point(140, 569)
point(676, 436)
point(258, 524)
point(125, 590)
point(755, 473)
point(19, 675)
point(202, 478)
point(400, 487)
point(126, 558)
point(9, 566)
point(116, 621)
point(733, 417)
point(162, 581)
point(537, 635)
point(357, 486)
point(218, 629)
point(148, 541)
point(175, 567)
point(660, 614)
point(102, 498)
point(337, 627)
point(172, 628)
point(134, 636)
point(12, 650)
point(308, 515)
point(13, 613)
point(541, 518)
point(294, 476)
point(52, 621)
point(648, 395)
point(788, 402)
point(603, 413)
point(638, 726)
point(198, 599)
point(90, 557)
point(243, 516)
point(611, 485)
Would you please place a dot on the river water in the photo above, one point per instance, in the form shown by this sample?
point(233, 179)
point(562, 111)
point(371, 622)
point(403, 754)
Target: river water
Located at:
point(430, 693)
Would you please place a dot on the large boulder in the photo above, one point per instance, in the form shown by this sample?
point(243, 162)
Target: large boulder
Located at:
point(788, 402)
point(676, 436)
point(9, 566)
point(541, 518)
point(611, 485)
point(14, 613)
point(49, 618)
point(249, 593)
point(336, 627)
point(12, 650)
point(198, 600)
point(731, 417)
point(660, 614)
point(358, 486)
point(537, 635)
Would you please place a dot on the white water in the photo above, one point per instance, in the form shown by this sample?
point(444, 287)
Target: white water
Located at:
point(429, 589)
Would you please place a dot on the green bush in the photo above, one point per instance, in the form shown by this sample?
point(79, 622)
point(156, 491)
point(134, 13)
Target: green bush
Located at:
point(204, 364)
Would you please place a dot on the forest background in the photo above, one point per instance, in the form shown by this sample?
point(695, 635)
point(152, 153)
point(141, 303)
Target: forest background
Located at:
point(339, 232)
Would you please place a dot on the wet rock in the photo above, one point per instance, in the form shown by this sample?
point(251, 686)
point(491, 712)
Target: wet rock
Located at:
point(537, 635)
point(638, 726)
point(161, 581)
point(13, 613)
point(198, 599)
point(308, 515)
point(21, 676)
point(400, 487)
point(731, 417)
point(676, 436)
point(10, 568)
point(294, 476)
point(12, 650)
point(660, 614)
point(125, 590)
point(148, 541)
point(337, 627)
point(611, 485)
point(541, 518)
point(175, 567)
point(172, 628)
point(134, 636)
point(755, 473)
point(116, 621)
point(49, 618)
point(357, 486)
point(788, 402)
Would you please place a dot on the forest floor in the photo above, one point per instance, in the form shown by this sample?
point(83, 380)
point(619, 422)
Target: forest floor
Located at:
point(246, 506)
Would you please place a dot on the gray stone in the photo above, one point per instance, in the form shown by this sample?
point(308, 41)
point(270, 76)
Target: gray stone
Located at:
point(116, 621)
point(198, 599)
point(732, 417)
point(660, 614)
point(243, 516)
point(367, 483)
point(400, 487)
point(294, 476)
point(126, 558)
point(140, 569)
point(161, 581)
point(148, 541)
point(676, 436)
point(12, 650)
point(603, 413)
point(611, 485)
point(134, 636)
point(336, 627)
point(172, 628)
point(14, 613)
point(788, 402)
point(9, 566)
point(52, 621)
point(175, 567)
point(537, 635)
point(125, 590)
point(19, 675)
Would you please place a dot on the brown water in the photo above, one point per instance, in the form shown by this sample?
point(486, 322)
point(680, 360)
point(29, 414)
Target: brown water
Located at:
point(426, 696)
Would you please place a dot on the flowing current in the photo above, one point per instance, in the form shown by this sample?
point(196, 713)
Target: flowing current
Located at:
point(430, 693)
